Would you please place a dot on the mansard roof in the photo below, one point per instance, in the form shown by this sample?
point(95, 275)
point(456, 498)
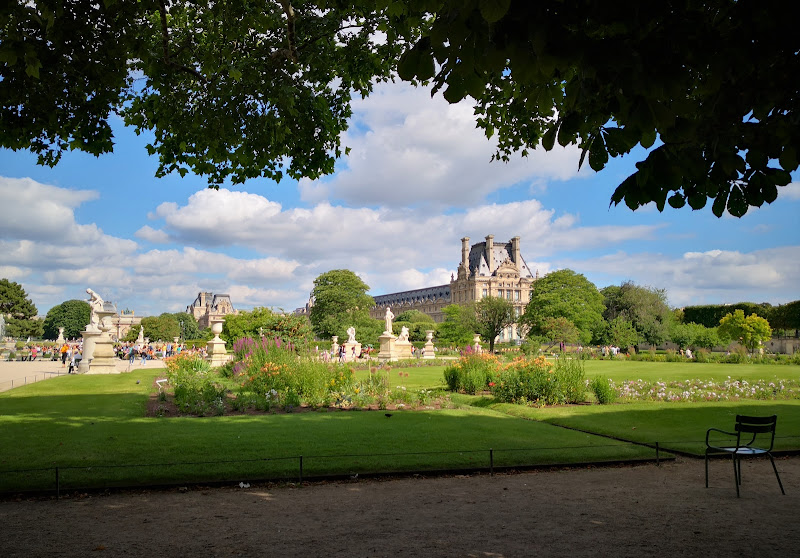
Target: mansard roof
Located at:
point(417, 295)
point(500, 253)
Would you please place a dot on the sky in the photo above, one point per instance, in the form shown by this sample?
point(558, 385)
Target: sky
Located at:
point(418, 178)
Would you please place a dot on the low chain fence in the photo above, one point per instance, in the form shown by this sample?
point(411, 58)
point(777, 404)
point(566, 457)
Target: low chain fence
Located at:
point(28, 379)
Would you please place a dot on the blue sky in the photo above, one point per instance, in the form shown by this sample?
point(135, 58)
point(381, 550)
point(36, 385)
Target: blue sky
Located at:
point(418, 179)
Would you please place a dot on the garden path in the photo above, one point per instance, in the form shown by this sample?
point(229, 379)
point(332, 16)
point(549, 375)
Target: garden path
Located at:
point(607, 511)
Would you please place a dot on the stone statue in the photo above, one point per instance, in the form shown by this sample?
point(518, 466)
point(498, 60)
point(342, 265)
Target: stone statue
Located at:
point(96, 303)
point(2, 326)
point(388, 319)
point(403, 335)
point(351, 335)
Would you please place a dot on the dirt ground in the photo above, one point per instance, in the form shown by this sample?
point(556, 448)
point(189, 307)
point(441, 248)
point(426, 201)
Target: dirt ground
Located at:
point(614, 511)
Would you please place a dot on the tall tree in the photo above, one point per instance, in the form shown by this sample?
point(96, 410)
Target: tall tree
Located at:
point(645, 308)
point(188, 325)
point(19, 311)
point(560, 330)
point(340, 300)
point(567, 294)
point(750, 331)
point(458, 328)
point(72, 315)
point(492, 315)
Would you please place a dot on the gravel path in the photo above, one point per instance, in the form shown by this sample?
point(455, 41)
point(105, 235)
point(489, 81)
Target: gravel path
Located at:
point(615, 511)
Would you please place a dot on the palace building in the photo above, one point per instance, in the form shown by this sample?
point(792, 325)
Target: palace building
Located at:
point(486, 269)
point(208, 306)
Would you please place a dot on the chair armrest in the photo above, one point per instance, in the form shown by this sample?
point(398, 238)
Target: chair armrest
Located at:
point(710, 430)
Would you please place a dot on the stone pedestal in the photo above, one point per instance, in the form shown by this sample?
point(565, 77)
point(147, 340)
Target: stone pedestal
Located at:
point(403, 350)
point(60, 340)
point(104, 361)
point(89, 338)
point(217, 354)
point(349, 355)
point(430, 352)
point(335, 348)
point(386, 353)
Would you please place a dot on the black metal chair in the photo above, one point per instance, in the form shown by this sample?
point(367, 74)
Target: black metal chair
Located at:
point(764, 426)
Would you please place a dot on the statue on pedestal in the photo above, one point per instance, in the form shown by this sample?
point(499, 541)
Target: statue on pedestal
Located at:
point(403, 337)
point(388, 319)
point(351, 334)
point(96, 303)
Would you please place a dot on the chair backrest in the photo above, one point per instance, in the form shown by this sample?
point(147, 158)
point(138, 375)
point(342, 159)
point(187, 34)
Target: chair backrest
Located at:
point(756, 426)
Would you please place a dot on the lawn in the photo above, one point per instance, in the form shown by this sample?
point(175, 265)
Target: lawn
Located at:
point(94, 430)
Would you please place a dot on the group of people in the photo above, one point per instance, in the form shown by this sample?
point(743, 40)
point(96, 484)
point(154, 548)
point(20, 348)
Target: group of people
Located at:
point(72, 354)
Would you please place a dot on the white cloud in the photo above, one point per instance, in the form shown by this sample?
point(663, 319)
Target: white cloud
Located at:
point(789, 192)
point(713, 276)
point(152, 235)
point(408, 149)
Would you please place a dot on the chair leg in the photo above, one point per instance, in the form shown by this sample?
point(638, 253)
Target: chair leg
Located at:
point(706, 469)
point(736, 474)
point(777, 476)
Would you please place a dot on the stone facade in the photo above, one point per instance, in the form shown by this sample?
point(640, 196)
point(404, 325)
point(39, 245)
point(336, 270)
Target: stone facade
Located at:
point(122, 323)
point(486, 269)
point(208, 306)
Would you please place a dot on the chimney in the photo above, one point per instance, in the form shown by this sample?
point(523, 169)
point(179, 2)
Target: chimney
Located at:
point(465, 252)
point(515, 252)
point(489, 253)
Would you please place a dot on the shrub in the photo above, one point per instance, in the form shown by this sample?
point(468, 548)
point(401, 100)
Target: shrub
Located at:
point(603, 390)
point(471, 374)
point(539, 382)
point(193, 384)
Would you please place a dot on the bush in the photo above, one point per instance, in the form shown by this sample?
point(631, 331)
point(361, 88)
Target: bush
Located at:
point(538, 382)
point(193, 384)
point(603, 390)
point(471, 374)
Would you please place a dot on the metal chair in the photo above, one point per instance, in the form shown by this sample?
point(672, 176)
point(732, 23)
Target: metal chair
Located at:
point(764, 426)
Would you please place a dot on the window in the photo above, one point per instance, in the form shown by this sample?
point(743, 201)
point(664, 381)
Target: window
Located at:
point(500, 293)
point(509, 293)
point(485, 293)
point(516, 295)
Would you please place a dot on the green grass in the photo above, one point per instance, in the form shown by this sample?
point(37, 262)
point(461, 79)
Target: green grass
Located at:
point(89, 426)
point(620, 370)
point(94, 430)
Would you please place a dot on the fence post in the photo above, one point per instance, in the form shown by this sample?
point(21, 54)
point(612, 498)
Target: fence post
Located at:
point(658, 457)
point(301, 469)
point(58, 486)
point(491, 462)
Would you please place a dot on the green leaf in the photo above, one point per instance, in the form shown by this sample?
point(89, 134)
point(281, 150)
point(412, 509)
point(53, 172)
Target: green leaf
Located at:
point(788, 158)
point(677, 200)
point(598, 156)
point(494, 10)
point(770, 192)
point(737, 202)
point(417, 62)
point(549, 137)
point(718, 208)
point(648, 138)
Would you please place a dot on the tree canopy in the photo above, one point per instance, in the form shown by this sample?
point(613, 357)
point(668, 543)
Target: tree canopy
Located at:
point(750, 331)
point(645, 308)
point(263, 322)
point(72, 315)
point(340, 300)
point(229, 89)
point(19, 311)
point(245, 89)
point(492, 316)
point(709, 88)
point(567, 294)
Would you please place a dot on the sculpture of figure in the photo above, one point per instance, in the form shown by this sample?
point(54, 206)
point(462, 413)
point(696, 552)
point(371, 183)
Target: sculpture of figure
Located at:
point(351, 335)
point(403, 334)
point(388, 319)
point(96, 303)
point(2, 327)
